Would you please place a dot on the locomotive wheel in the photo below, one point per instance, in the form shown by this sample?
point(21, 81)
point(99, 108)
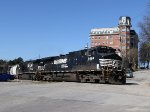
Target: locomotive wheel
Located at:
point(120, 79)
point(82, 79)
point(96, 80)
point(124, 80)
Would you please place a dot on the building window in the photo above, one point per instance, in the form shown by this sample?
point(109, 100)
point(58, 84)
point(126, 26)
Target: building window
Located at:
point(123, 47)
point(128, 29)
point(106, 37)
point(111, 42)
point(111, 37)
point(123, 30)
point(123, 27)
point(123, 35)
point(127, 36)
point(128, 41)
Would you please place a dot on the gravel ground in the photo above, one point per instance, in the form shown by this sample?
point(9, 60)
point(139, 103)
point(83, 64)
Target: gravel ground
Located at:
point(28, 96)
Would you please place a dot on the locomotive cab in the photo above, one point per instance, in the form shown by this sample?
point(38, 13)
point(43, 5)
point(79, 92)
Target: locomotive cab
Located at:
point(108, 58)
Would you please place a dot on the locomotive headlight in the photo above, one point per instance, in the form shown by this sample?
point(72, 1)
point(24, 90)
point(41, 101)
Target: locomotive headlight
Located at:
point(113, 62)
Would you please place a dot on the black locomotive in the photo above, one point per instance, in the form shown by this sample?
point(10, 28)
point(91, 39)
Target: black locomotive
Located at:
point(98, 64)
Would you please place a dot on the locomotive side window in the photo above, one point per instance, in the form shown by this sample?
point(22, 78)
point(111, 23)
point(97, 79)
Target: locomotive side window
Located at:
point(91, 52)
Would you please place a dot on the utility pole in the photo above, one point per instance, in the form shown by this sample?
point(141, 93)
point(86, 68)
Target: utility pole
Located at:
point(121, 49)
point(39, 56)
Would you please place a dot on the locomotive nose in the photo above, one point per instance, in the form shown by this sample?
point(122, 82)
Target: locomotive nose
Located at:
point(106, 62)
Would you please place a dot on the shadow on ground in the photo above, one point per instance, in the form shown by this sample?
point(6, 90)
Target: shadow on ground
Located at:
point(131, 84)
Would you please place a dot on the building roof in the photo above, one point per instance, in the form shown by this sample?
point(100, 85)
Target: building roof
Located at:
point(101, 31)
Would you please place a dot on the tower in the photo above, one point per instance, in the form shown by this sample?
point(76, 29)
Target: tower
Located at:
point(124, 33)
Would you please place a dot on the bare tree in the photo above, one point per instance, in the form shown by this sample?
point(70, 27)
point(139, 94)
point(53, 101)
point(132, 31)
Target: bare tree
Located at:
point(145, 38)
point(134, 58)
point(145, 27)
point(145, 52)
point(3, 66)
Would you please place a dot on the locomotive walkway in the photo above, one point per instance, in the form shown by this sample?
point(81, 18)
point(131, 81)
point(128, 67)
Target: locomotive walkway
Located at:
point(28, 96)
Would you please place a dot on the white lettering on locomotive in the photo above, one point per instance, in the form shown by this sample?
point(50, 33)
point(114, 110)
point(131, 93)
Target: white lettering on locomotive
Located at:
point(90, 58)
point(64, 66)
point(60, 61)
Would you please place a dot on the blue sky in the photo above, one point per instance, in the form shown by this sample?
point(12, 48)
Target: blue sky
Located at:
point(33, 28)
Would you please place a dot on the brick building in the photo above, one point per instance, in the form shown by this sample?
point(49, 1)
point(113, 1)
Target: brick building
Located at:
point(122, 38)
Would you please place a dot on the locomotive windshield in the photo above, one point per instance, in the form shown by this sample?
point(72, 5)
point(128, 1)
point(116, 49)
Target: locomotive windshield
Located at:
point(105, 50)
